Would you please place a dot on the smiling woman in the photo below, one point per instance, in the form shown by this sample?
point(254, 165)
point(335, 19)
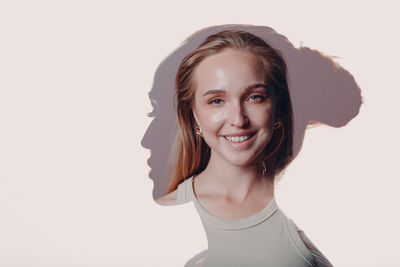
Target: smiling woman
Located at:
point(235, 135)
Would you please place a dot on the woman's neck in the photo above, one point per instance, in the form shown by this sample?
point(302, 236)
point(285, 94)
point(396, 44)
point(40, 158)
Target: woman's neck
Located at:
point(235, 182)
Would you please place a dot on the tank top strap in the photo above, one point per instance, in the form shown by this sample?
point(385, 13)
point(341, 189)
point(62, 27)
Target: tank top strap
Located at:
point(185, 191)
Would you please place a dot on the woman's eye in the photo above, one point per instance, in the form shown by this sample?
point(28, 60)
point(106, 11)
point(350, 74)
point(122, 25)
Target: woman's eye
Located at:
point(215, 101)
point(256, 97)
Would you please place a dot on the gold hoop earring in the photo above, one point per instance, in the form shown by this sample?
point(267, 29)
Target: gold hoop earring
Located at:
point(264, 167)
point(198, 131)
point(277, 124)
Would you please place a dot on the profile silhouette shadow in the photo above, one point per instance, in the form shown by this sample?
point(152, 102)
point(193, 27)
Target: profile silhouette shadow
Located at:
point(322, 92)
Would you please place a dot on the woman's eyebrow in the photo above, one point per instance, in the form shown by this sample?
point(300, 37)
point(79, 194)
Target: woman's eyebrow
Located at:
point(248, 88)
point(254, 86)
point(212, 92)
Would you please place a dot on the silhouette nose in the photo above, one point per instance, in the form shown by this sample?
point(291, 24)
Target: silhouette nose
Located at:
point(238, 116)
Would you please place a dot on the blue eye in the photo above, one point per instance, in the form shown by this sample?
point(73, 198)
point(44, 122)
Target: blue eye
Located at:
point(216, 101)
point(256, 97)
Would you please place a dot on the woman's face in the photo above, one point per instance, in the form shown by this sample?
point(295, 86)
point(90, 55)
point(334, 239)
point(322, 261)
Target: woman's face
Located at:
point(233, 106)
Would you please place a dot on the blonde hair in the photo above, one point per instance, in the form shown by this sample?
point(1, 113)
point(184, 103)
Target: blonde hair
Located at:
point(192, 153)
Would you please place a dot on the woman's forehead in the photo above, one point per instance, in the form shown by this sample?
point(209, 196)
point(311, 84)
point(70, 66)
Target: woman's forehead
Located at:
point(227, 69)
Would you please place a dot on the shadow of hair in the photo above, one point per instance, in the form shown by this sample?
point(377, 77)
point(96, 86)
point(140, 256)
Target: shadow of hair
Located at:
point(322, 92)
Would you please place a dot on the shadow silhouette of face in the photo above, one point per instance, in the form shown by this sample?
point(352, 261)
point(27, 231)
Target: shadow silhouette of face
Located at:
point(161, 132)
point(233, 106)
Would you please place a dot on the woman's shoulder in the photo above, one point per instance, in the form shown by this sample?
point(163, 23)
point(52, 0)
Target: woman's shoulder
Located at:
point(169, 199)
point(307, 248)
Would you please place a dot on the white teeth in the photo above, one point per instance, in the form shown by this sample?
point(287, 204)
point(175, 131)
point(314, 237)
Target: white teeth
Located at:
point(237, 138)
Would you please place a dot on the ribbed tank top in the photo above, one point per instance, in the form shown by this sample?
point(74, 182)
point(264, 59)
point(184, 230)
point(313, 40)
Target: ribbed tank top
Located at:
point(267, 238)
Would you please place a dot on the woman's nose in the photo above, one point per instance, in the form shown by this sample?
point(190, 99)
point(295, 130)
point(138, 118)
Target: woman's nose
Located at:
point(237, 116)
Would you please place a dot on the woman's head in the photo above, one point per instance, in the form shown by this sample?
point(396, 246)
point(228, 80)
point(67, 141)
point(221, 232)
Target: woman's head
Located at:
point(264, 71)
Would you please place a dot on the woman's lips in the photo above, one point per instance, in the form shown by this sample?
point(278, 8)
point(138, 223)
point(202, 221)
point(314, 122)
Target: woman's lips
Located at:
point(236, 139)
point(239, 141)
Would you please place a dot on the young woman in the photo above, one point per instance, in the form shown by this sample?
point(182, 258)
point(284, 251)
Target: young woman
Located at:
point(235, 136)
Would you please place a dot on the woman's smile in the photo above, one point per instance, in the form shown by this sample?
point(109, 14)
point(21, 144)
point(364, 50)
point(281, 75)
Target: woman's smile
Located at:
point(240, 142)
point(237, 139)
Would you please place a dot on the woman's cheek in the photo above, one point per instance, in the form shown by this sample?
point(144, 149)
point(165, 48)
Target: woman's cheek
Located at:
point(218, 115)
point(213, 120)
point(261, 115)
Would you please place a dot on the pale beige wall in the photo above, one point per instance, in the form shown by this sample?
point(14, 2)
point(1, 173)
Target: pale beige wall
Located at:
point(74, 78)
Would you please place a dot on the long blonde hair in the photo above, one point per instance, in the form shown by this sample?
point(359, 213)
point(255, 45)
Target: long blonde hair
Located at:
point(192, 153)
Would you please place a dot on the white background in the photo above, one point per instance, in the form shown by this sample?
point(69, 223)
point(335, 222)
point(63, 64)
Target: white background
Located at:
point(74, 78)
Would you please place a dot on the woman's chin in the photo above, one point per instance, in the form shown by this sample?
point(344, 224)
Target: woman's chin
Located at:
point(243, 163)
point(243, 160)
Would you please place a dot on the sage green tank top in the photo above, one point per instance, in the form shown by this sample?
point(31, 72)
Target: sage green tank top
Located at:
point(267, 238)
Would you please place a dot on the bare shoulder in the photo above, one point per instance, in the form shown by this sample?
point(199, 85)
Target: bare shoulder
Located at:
point(169, 199)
